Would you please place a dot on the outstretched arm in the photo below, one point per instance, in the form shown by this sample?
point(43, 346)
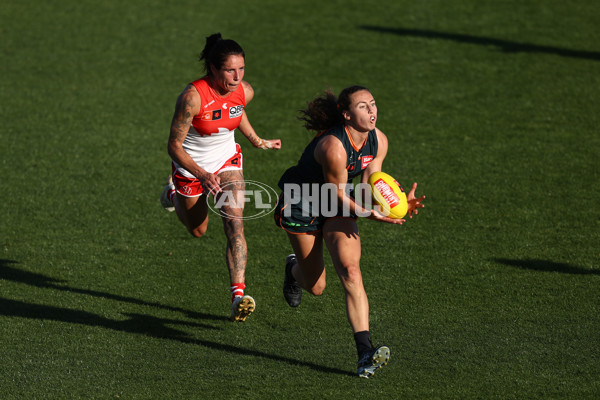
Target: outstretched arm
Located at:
point(375, 166)
point(413, 203)
point(257, 142)
point(246, 128)
point(331, 155)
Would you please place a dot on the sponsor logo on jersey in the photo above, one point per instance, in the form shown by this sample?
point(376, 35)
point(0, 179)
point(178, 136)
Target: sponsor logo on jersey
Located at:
point(213, 115)
point(366, 160)
point(236, 111)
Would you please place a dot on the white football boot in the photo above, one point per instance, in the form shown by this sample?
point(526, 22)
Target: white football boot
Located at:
point(241, 308)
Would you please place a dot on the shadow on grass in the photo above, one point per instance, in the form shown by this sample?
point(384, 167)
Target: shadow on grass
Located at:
point(546, 266)
point(135, 323)
point(504, 45)
point(45, 282)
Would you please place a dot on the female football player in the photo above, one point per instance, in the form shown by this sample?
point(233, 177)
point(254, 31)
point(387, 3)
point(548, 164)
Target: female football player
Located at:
point(348, 145)
point(206, 158)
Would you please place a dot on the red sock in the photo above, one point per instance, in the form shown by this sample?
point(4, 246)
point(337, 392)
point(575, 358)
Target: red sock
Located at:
point(237, 290)
point(170, 195)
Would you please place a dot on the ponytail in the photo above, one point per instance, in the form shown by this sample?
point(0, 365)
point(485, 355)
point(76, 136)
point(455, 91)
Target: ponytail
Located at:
point(216, 51)
point(321, 113)
point(325, 111)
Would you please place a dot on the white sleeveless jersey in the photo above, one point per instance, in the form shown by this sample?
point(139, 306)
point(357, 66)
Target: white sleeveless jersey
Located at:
point(209, 152)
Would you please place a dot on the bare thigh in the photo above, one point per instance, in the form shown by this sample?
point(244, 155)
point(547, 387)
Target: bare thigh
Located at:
point(193, 213)
point(343, 242)
point(231, 200)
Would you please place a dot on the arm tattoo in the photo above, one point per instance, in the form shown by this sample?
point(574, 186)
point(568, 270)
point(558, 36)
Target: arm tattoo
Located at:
point(183, 117)
point(255, 140)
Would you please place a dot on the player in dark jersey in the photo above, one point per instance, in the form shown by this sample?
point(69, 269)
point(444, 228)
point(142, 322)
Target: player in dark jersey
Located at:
point(348, 145)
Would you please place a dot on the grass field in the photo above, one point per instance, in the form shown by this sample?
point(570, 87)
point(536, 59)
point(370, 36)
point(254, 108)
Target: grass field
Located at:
point(492, 292)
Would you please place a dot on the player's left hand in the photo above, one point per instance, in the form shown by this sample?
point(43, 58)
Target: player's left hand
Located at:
point(413, 203)
point(270, 144)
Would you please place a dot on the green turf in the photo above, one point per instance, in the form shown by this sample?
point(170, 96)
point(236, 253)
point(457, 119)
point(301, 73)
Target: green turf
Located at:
point(491, 292)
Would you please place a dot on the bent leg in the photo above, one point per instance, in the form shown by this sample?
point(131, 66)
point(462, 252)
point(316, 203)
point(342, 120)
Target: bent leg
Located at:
point(343, 242)
point(309, 271)
point(193, 213)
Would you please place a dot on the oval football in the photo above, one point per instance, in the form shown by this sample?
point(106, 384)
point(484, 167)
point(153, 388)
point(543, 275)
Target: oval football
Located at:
point(388, 194)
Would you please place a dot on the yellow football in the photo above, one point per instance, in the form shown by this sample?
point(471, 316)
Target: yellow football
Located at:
point(388, 193)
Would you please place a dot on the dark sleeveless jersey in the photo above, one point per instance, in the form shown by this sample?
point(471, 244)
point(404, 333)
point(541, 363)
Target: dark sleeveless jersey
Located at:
point(308, 170)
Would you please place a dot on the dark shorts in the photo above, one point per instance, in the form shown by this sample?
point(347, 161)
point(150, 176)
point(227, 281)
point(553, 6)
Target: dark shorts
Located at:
point(295, 218)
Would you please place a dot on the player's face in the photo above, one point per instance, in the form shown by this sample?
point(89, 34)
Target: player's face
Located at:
point(362, 112)
point(229, 77)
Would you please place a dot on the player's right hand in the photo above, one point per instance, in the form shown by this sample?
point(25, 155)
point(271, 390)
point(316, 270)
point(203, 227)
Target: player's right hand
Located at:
point(212, 183)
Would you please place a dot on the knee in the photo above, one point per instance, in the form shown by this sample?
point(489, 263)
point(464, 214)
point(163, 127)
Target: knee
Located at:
point(234, 227)
point(351, 275)
point(317, 289)
point(198, 231)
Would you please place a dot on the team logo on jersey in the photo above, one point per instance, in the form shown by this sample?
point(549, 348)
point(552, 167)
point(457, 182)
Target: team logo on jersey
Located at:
point(186, 190)
point(213, 115)
point(366, 160)
point(236, 111)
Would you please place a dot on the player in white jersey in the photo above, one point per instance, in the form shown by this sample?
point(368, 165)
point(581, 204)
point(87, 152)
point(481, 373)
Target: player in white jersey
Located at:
point(206, 157)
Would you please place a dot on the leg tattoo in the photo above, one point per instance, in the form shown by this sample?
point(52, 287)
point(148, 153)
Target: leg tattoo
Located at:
point(233, 224)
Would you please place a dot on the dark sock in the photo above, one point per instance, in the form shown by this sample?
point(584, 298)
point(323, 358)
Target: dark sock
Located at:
point(363, 342)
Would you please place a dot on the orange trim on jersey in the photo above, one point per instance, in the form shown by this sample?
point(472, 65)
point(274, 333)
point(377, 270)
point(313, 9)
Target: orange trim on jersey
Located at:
point(352, 141)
